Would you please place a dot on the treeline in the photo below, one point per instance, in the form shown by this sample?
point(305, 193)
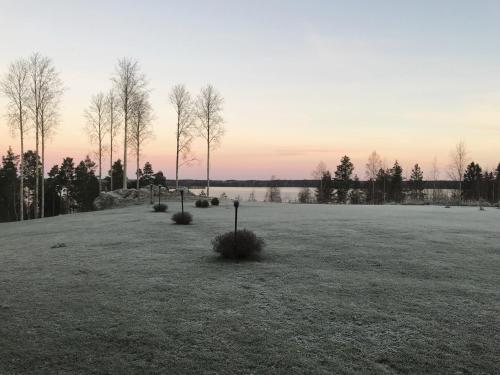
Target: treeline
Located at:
point(305, 183)
point(388, 185)
point(69, 187)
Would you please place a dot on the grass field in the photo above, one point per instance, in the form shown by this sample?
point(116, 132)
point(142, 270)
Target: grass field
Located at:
point(341, 289)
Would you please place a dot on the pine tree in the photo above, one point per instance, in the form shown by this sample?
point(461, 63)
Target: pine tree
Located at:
point(471, 182)
point(395, 192)
point(116, 172)
point(160, 179)
point(417, 183)
point(355, 193)
point(324, 191)
point(9, 204)
point(343, 178)
point(147, 176)
point(85, 185)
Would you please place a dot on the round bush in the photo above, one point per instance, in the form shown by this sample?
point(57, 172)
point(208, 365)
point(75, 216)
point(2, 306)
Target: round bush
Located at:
point(215, 201)
point(248, 245)
point(161, 207)
point(201, 203)
point(180, 218)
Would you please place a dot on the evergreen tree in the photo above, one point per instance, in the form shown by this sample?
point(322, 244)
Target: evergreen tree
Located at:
point(324, 191)
point(65, 178)
point(147, 175)
point(343, 178)
point(9, 204)
point(30, 174)
point(53, 193)
point(382, 187)
point(395, 192)
point(85, 185)
point(117, 172)
point(160, 179)
point(416, 183)
point(472, 181)
point(355, 193)
point(496, 196)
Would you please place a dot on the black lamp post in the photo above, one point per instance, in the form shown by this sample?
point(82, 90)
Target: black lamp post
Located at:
point(182, 202)
point(151, 193)
point(236, 205)
point(159, 194)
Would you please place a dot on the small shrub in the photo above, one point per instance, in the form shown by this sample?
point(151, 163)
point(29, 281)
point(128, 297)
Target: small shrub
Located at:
point(201, 203)
point(215, 201)
point(180, 218)
point(248, 245)
point(160, 207)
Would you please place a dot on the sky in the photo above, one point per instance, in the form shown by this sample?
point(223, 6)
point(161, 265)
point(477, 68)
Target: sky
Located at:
point(302, 81)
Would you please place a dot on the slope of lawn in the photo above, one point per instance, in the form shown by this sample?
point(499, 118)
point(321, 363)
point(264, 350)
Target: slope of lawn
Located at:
point(341, 289)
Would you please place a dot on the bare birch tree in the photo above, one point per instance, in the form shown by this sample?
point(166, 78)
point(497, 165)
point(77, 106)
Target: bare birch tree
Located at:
point(208, 109)
point(183, 106)
point(97, 127)
point(435, 176)
point(372, 167)
point(458, 163)
point(45, 93)
point(128, 82)
point(140, 126)
point(15, 87)
point(113, 120)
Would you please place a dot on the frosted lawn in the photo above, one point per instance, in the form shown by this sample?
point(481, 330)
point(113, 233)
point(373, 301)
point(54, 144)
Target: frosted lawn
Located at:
point(383, 289)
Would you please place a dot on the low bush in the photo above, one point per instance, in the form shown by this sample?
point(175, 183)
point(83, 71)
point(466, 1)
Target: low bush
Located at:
point(160, 207)
point(201, 203)
point(247, 245)
point(182, 218)
point(215, 201)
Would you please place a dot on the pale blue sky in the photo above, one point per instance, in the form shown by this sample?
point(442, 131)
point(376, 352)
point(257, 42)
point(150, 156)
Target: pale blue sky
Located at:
point(303, 80)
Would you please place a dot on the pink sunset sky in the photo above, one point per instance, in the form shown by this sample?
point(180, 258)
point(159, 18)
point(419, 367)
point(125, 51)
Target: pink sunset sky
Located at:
point(303, 82)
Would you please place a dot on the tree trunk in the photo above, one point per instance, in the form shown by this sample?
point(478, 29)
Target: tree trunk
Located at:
point(137, 170)
point(42, 208)
point(125, 124)
point(111, 160)
point(177, 158)
point(100, 166)
point(21, 174)
point(37, 173)
point(208, 169)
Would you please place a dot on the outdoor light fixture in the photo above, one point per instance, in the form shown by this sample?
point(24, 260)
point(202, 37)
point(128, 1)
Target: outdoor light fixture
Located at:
point(236, 205)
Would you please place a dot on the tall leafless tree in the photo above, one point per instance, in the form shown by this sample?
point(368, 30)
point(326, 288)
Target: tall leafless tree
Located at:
point(458, 163)
point(435, 176)
point(318, 173)
point(129, 82)
point(98, 127)
point(183, 106)
point(208, 109)
point(15, 87)
point(140, 126)
point(113, 120)
point(45, 93)
point(372, 167)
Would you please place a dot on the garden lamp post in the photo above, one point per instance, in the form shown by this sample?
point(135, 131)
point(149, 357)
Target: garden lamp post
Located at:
point(236, 205)
point(150, 193)
point(159, 194)
point(182, 201)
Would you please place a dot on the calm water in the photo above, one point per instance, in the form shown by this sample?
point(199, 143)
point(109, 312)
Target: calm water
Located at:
point(288, 194)
point(243, 193)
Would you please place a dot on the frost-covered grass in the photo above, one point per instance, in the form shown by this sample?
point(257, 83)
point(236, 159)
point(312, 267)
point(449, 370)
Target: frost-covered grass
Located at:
point(340, 289)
